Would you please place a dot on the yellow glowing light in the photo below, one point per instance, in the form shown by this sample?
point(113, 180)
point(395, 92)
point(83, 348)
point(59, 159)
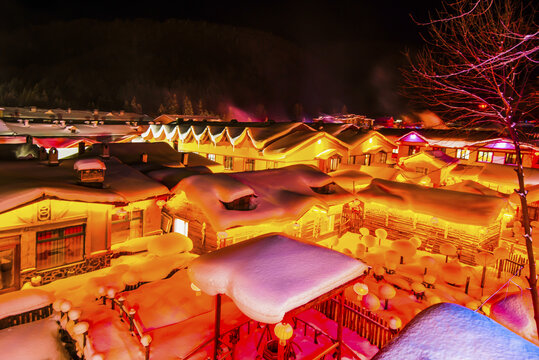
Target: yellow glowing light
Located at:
point(370, 141)
point(283, 331)
point(319, 142)
point(196, 289)
point(160, 203)
point(361, 290)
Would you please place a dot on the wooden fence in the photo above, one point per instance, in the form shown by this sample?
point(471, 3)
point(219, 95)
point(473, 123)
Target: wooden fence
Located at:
point(360, 320)
point(513, 265)
point(26, 317)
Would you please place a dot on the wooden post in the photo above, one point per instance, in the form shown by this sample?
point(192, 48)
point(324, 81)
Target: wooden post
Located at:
point(217, 334)
point(280, 351)
point(340, 317)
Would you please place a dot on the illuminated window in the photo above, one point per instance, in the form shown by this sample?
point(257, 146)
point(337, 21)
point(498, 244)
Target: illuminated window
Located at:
point(413, 150)
point(395, 150)
point(125, 225)
point(249, 164)
point(229, 163)
point(383, 157)
point(211, 157)
point(60, 246)
point(484, 156)
point(511, 159)
point(367, 160)
point(352, 159)
point(181, 227)
point(334, 163)
point(463, 154)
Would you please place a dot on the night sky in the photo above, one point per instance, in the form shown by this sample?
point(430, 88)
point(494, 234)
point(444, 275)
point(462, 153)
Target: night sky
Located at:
point(360, 42)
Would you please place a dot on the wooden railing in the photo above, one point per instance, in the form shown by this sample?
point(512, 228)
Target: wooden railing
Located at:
point(130, 316)
point(325, 351)
point(360, 320)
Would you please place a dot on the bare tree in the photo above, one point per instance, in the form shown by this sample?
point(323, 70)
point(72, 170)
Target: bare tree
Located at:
point(479, 65)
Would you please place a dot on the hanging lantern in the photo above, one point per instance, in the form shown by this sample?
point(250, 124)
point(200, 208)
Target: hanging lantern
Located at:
point(361, 290)
point(196, 289)
point(395, 323)
point(283, 331)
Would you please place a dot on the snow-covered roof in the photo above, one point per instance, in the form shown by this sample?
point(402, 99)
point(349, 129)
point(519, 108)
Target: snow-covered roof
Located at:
point(472, 187)
point(351, 179)
point(450, 331)
point(22, 182)
point(268, 276)
point(57, 130)
point(281, 194)
point(435, 157)
point(506, 175)
point(130, 153)
point(89, 164)
point(298, 140)
point(454, 206)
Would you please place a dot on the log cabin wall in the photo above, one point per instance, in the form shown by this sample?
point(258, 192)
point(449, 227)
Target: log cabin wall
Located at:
point(432, 231)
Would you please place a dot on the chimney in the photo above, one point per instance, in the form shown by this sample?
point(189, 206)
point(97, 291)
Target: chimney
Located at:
point(26, 123)
point(42, 154)
point(90, 172)
point(33, 108)
point(105, 151)
point(96, 112)
point(185, 158)
point(53, 157)
point(69, 110)
point(122, 112)
point(144, 158)
point(82, 148)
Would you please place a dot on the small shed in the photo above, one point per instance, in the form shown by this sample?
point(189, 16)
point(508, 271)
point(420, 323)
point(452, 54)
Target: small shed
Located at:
point(274, 277)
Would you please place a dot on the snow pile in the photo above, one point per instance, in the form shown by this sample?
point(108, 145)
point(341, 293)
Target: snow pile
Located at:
point(18, 302)
point(450, 331)
point(454, 206)
point(271, 275)
point(169, 244)
point(161, 245)
point(515, 311)
point(89, 164)
point(37, 340)
point(168, 301)
point(506, 175)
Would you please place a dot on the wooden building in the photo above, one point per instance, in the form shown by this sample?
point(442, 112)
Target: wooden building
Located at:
point(54, 225)
point(216, 210)
point(260, 146)
point(436, 216)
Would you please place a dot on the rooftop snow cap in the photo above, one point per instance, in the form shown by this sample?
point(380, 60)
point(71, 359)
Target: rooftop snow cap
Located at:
point(90, 172)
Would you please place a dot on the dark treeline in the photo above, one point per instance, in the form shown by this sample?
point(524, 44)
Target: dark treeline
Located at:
point(172, 66)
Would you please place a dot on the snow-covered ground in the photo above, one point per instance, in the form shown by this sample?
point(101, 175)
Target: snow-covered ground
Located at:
point(37, 340)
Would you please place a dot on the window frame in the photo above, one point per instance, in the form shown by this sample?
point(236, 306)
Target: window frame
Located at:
point(228, 163)
point(463, 154)
point(249, 164)
point(481, 154)
point(62, 236)
point(383, 157)
point(512, 155)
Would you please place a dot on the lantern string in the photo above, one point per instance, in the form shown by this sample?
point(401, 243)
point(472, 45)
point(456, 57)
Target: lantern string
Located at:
point(501, 287)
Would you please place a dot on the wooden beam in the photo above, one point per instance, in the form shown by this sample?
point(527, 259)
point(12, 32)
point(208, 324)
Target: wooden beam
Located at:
point(217, 334)
point(340, 319)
